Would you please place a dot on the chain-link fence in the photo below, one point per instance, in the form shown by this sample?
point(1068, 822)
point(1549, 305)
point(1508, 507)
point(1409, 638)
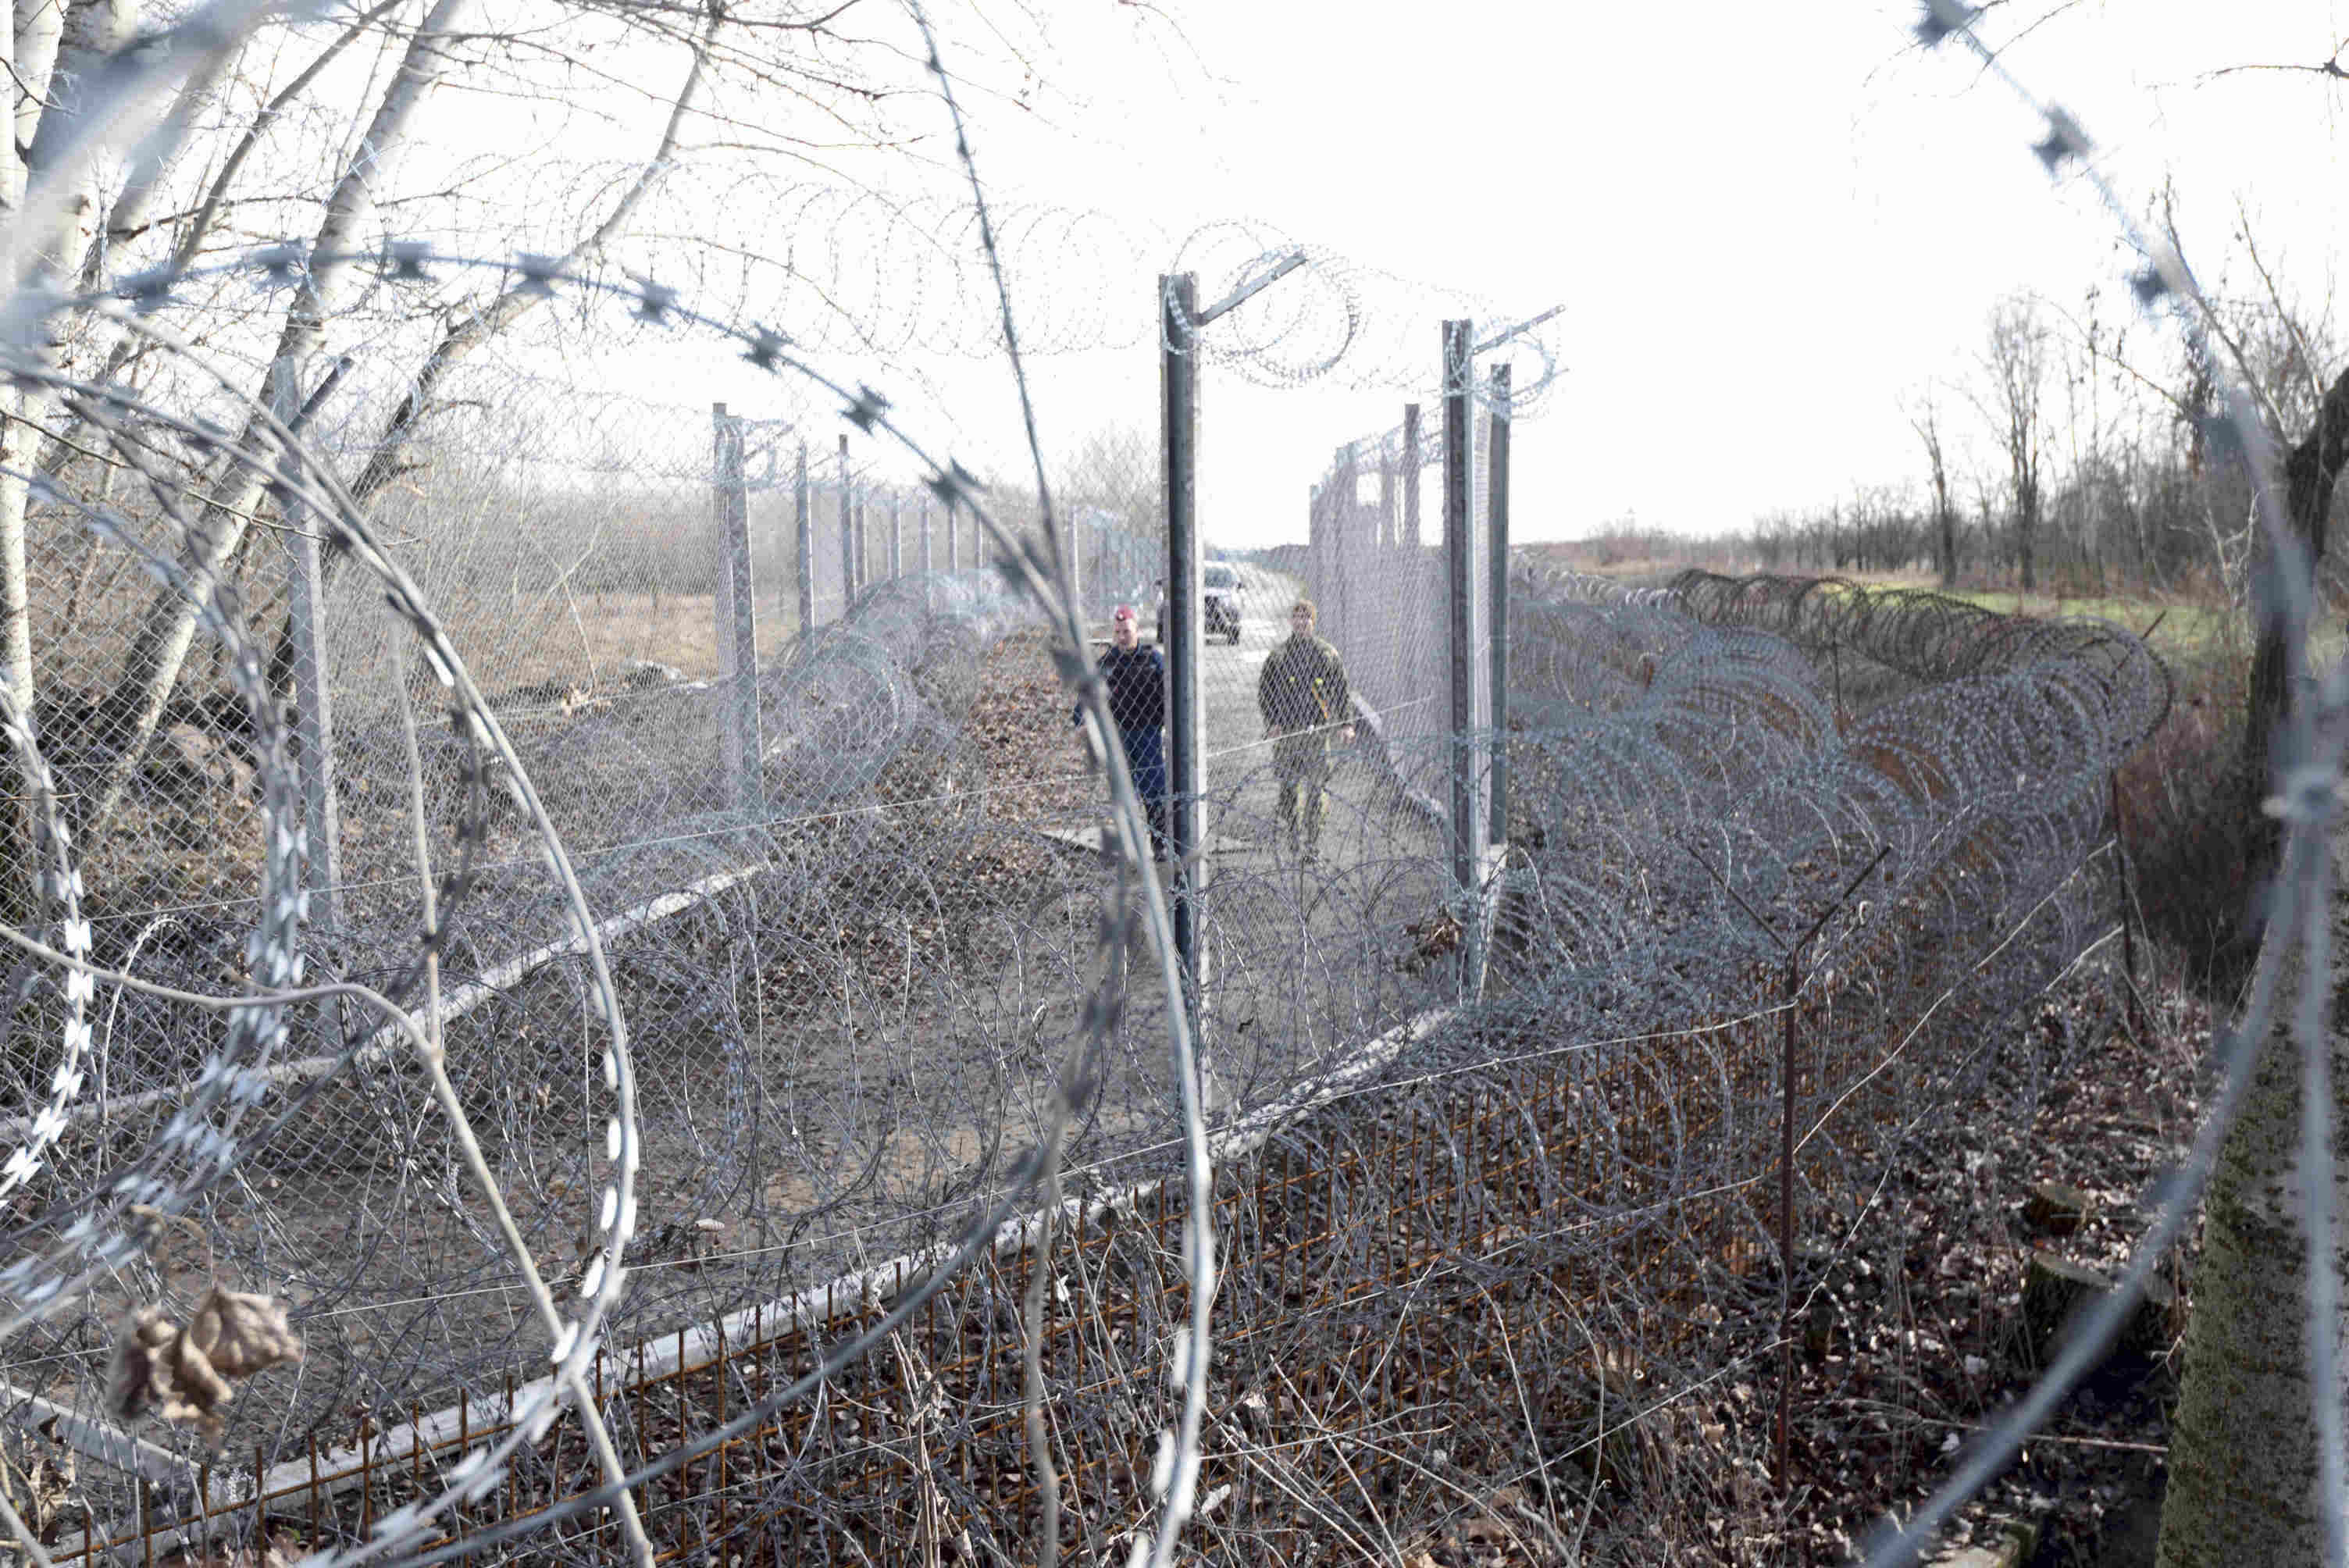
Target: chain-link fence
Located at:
point(841, 879)
point(719, 844)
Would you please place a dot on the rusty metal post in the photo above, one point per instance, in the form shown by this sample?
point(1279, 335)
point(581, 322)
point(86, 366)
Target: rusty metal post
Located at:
point(1792, 987)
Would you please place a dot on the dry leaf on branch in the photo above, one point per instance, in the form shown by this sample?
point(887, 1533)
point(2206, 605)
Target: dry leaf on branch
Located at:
point(242, 1334)
point(39, 1492)
point(183, 1374)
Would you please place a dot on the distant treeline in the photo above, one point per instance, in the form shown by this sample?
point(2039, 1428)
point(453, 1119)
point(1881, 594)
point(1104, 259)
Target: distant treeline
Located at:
point(2059, 457)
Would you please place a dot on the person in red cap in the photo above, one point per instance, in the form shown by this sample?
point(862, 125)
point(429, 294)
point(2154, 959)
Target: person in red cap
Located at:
point(1136, 678)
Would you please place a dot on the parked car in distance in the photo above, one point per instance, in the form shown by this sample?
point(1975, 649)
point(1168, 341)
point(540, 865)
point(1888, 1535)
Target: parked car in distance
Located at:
point(1220, 596)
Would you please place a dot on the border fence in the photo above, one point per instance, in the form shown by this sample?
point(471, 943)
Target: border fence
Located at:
point(823, 820)
point(828, 876)
point(1399, 1254)
point(1747, 917)
point(1607, 1208)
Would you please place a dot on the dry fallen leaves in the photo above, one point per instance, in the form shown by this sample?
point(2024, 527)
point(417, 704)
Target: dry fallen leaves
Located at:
point(40, 1492)
point(188, 1374)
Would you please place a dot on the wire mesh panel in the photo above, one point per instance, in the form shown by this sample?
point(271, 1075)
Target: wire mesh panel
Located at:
point(711, 875)
point(1377, 564)
point(570, 550)
point(843, 1000)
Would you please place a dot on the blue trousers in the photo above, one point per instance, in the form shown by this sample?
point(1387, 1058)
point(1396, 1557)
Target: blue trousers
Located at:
point(1145, 756)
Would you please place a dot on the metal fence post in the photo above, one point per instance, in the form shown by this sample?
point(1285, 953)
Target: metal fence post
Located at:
point(1314, 543)
point(1388, 531)
point(1410, 476)
point(863, 561)
point(1338, 504)
point(929, 560)
point(1460, 580)
point(803, 531)
point(1178, 311)
point(954, 540)
point(737, 609)
point(1497, 605)
point(847, 535)
point(896, 536)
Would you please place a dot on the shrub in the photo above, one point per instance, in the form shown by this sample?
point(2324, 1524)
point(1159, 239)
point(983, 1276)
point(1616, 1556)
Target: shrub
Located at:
point(2197, 844)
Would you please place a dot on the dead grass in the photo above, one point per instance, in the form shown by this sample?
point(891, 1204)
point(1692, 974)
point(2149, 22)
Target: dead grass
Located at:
point(588, 645)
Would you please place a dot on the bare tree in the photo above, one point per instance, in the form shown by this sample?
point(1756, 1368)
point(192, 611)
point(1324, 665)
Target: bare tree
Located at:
point(2014, 361)
point(739, 62)
point(159, 645)
point(1925, 418)
point(52, 51)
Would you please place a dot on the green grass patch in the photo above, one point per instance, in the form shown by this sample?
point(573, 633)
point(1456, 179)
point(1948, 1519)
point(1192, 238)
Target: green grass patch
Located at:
point(2171, 628)
point(2177, 629)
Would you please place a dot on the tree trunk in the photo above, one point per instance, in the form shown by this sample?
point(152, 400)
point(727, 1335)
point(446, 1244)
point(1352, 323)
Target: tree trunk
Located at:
point(2243, 1457)
point(54, 46)
point(50, 49)
point(2026, 529)
point(389, 460)
point(2243, 1462)
point(2310, 471)
point(151, 666)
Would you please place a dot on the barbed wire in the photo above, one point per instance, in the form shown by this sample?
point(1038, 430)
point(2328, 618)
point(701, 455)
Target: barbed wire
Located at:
point(113, 414)
point(874, 276)
point(845, 1019)
point(59, 887)
point(2308, 762)
point(1709, 672)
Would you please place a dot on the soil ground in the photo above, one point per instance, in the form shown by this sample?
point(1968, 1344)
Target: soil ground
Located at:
point(1926, 1344)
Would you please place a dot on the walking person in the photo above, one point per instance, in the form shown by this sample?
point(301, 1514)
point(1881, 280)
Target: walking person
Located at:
point(1136, 678)
point(1303, 696)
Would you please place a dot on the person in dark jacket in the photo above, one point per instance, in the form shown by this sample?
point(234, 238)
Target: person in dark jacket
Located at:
point(1303, 698)
point(1136, 678)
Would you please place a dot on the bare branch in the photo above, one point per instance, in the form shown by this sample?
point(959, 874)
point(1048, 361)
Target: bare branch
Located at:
point(199, 229)
point(465, 335)
point(2332, 67)
point(2288, 317)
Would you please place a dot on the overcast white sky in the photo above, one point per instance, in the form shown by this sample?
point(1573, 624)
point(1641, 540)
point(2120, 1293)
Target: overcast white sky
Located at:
point(1765, 230)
